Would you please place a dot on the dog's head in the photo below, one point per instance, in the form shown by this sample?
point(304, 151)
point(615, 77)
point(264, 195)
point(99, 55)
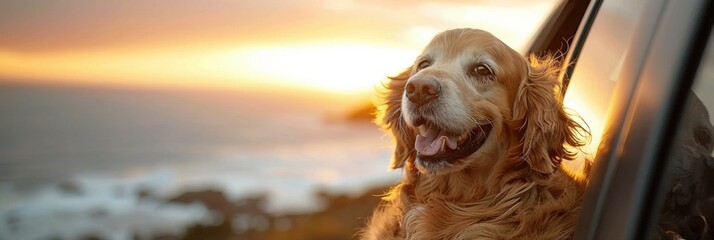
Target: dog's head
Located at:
point(469, 97)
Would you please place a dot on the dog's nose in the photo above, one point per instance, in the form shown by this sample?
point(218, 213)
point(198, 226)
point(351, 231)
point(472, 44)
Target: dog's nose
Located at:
point(422, 90)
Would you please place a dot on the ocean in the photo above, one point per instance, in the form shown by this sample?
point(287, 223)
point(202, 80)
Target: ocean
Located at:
point(77, 160)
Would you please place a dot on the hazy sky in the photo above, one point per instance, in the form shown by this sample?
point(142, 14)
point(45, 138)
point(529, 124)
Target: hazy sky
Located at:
point(334, 45)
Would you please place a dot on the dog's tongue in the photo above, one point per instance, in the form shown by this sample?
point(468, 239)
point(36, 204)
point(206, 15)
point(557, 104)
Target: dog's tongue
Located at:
point(430, 142)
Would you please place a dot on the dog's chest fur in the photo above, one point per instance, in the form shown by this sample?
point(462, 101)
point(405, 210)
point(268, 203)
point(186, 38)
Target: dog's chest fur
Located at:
point(525, 210)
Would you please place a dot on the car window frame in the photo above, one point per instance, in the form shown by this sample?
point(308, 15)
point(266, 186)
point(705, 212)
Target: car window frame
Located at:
point(617, 203)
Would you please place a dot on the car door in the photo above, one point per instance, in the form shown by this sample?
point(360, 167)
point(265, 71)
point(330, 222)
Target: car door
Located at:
point(632, 65)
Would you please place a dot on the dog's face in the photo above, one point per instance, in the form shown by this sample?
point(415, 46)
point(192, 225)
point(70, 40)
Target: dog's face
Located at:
point(468, 98)
point(456, 97)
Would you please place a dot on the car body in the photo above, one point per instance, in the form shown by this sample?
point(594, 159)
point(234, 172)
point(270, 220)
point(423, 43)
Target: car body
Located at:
point(633, 64)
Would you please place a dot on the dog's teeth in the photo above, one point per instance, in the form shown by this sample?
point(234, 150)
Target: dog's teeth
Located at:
point(463, 137)
point(452, 143)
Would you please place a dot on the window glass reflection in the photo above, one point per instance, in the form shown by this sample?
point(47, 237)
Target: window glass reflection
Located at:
point(593, 82)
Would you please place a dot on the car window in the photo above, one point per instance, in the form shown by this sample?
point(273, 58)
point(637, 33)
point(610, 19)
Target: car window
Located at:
point(600, 63)
point(687, 193)
point(608, 70)
point(635, 137)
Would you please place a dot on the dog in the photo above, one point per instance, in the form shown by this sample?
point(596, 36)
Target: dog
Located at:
point(480, 131)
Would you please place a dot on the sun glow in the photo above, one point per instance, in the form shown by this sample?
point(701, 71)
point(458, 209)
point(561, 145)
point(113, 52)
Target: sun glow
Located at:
point(587, 100)
point(335, 67)
point(334, 46)
point(588, 118)
point(341, 67)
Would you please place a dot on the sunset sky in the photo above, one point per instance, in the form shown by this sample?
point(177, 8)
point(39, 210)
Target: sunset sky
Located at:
point(337, 46)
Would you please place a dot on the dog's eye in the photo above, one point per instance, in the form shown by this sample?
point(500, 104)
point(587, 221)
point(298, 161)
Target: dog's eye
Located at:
point(423, 64)
point(482, 70)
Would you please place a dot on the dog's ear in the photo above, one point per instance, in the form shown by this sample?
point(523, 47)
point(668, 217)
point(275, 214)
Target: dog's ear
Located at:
point(547, 133)
point(390, 118)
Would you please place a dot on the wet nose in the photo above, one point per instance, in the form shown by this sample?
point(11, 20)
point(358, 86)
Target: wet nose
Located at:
point(422, 90)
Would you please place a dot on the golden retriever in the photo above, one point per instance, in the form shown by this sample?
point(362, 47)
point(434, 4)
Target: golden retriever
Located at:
point(481, 132)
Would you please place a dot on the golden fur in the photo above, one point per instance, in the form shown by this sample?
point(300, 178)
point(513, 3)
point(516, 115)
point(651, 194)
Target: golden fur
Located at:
point(512, 186)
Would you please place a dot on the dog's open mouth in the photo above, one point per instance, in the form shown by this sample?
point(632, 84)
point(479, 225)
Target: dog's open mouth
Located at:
point(434, 144)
